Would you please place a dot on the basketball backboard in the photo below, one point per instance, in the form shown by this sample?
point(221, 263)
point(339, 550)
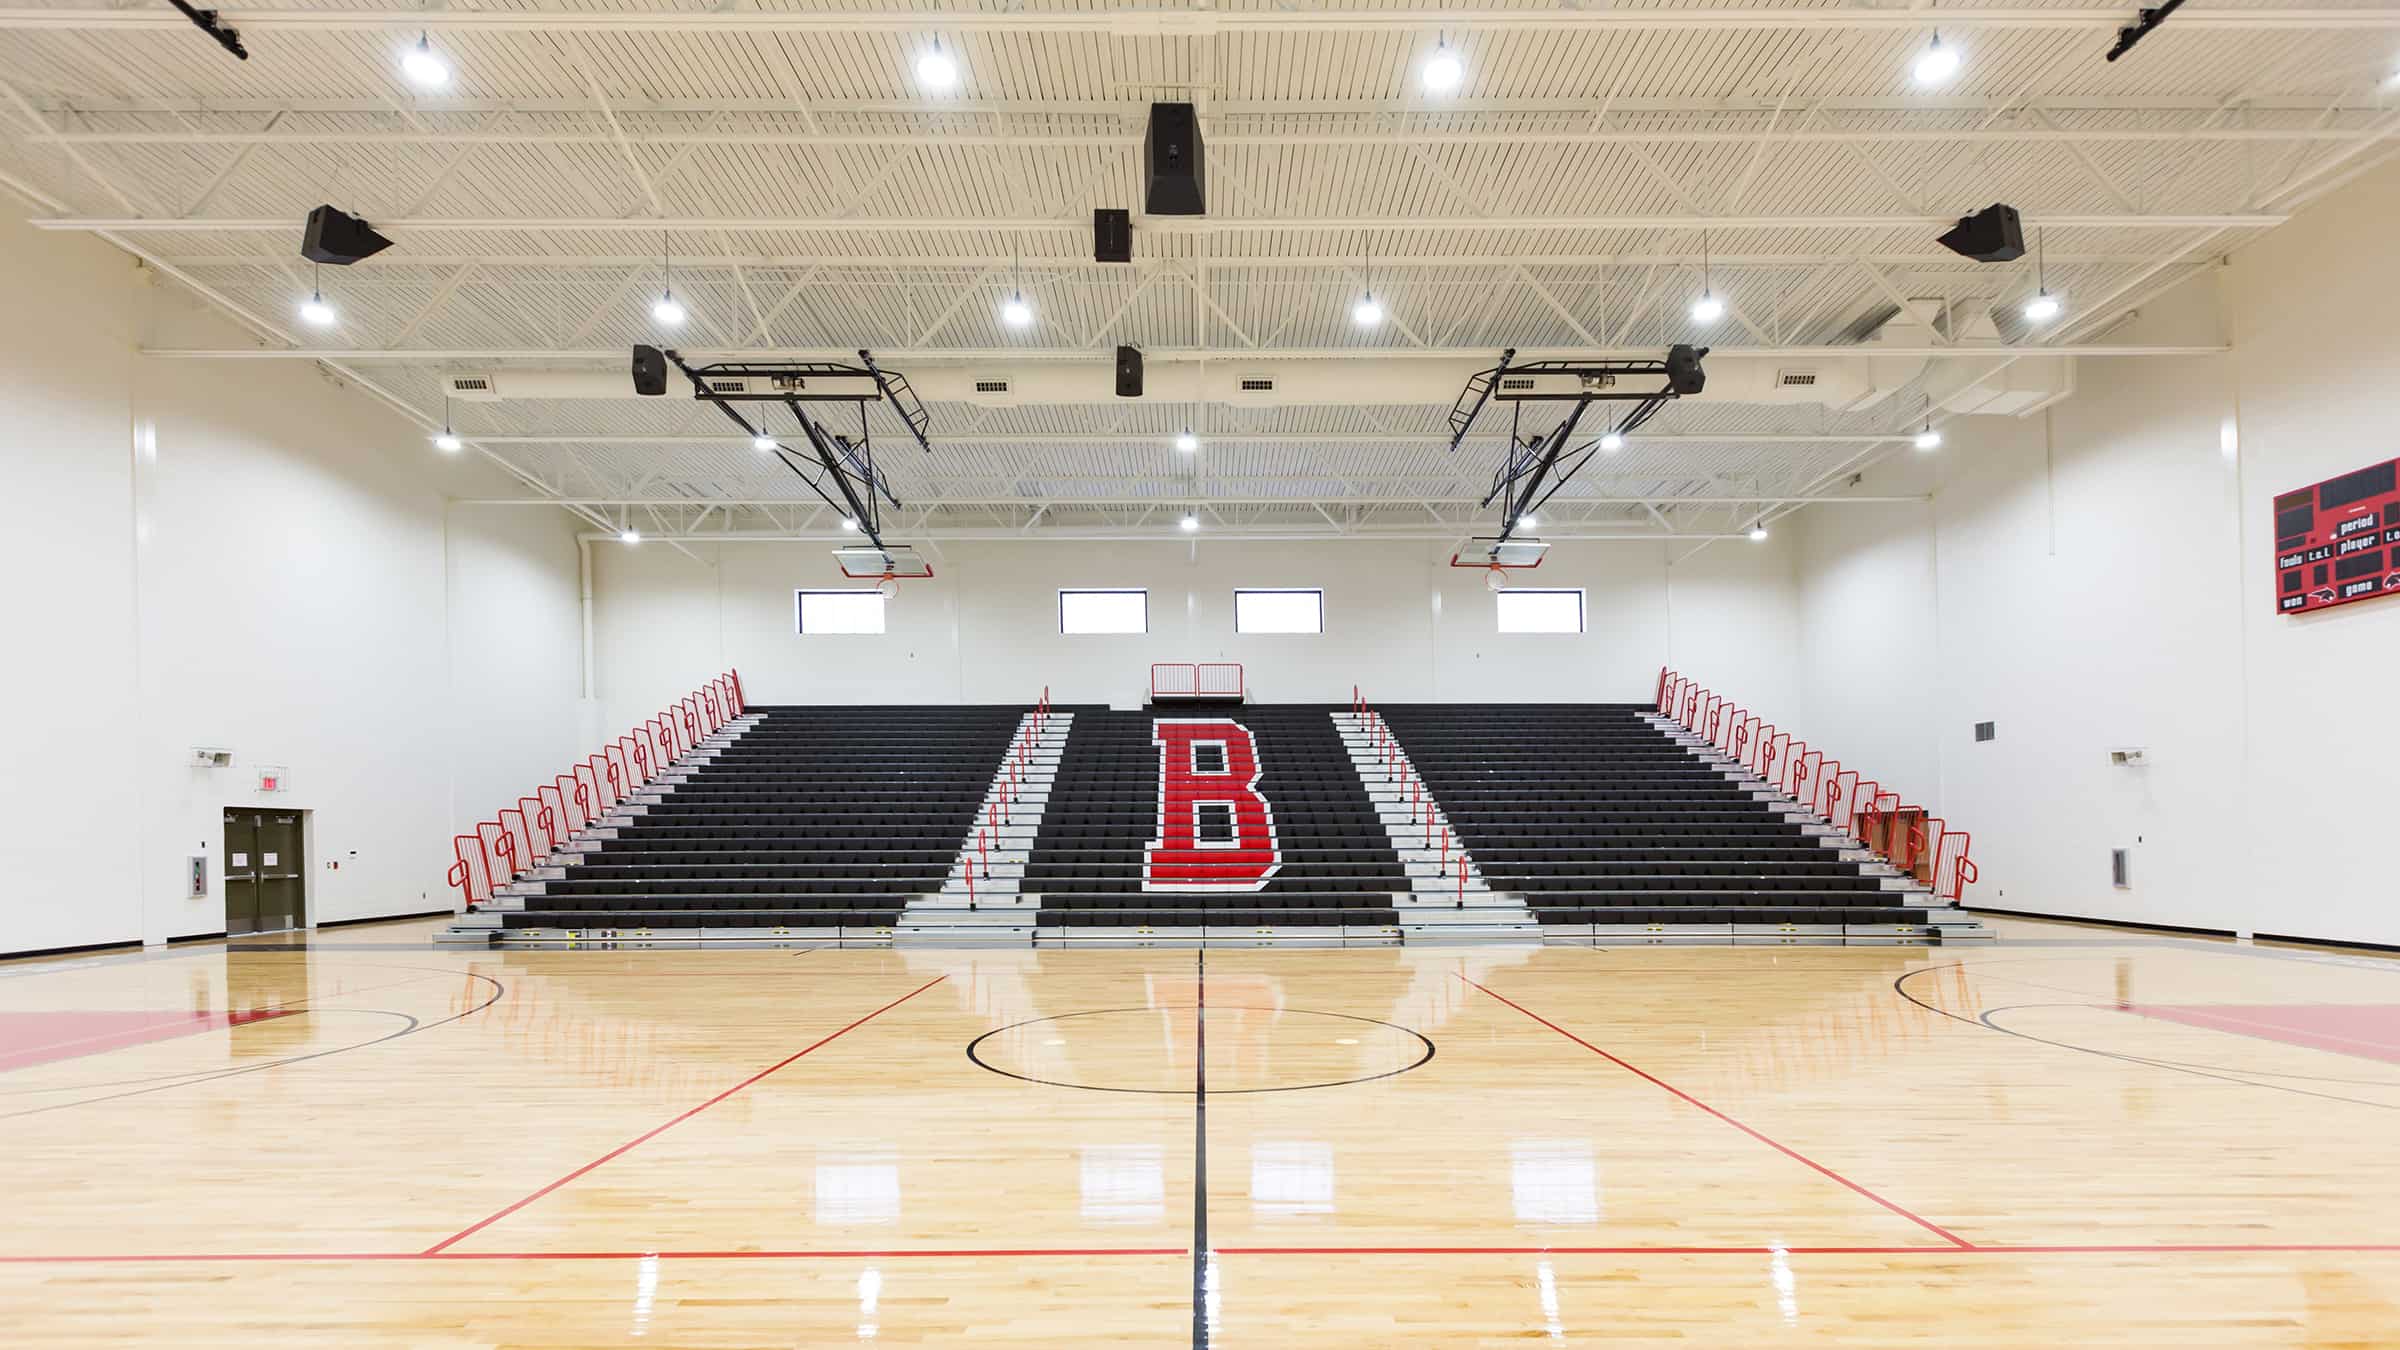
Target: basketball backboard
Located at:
point(866, 562)
point(1510, 555)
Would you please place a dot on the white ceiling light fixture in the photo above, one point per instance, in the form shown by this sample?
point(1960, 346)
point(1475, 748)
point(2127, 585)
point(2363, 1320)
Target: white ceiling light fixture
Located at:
point(424, 69)
point(1758, 532)
point(2043, 306)
point(314, 311)
point(1611, 443)
point(1935, 65)
point(1368, 312)
point(937, 70)
point(1016, 311)
point(1530, 521)
point(1708, 308)
point(1190, 523)
point(1927, 437)
point(850, 524)
point(1186, 441)
point(666, 309)
point(448, 442)
point(1443, 72)
point(762, 442)
point(630, 537)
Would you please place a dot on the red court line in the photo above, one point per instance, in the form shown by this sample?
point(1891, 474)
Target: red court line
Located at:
point(1986, 1249)
point(644, 1138)
point(968, 1253)
point(793, 1255)
point(1794, 1154)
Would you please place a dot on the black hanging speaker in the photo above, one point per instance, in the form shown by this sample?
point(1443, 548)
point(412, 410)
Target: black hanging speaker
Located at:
point(649, 371)
point(1993, 234)
point(1171, 157)
point(1112, 235)
point(1129, 372)
point(339, 238)
point(1684, 374)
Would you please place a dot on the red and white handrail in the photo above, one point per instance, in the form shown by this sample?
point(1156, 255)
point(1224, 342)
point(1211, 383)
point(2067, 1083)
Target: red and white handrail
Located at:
point(518, 837)
point(1421, 809)
point(1013, 766)
point(1196, 679)
point(1913, 839)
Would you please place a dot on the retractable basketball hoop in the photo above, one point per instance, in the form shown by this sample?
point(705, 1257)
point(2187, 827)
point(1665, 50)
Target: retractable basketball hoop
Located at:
point(837, 466)
point(887, 565)
point(1537, 463)
point(1496, 558)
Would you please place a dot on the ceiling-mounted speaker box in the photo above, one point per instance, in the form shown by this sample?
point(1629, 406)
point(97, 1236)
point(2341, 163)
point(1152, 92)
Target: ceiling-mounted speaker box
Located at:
point(1993, 234)
point(1171, 158)
point(338, 239)
point(649, 371)
point(1129, 372)
point(1112, 235)
point(1684, 374)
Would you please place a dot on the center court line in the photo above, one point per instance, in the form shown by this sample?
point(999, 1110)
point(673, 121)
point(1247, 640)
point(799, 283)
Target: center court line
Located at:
point(621, 1149)
point(1794, 1154)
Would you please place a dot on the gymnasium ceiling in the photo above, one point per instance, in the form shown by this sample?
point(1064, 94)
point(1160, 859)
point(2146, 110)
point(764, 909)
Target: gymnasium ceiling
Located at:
point(817, 199)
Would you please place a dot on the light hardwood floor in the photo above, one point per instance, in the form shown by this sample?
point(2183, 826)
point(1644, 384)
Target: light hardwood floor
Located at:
point(2072, 1137)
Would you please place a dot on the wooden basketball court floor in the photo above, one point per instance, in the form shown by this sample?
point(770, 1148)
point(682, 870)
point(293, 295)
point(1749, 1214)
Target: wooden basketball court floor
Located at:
point(2074, 1136)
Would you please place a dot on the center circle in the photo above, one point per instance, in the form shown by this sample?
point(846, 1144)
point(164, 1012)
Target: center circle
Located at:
point(1155, 1049)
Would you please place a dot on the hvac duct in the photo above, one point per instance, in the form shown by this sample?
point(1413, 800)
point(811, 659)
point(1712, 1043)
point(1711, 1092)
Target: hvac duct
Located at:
point(1842, 383)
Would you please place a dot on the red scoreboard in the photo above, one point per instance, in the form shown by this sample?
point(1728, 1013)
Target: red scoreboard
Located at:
point(2338, 541)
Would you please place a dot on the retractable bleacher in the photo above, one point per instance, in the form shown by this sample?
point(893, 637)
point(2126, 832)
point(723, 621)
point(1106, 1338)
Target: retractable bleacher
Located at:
point(1598, 817)
point(810, 819)
point(1338, 872)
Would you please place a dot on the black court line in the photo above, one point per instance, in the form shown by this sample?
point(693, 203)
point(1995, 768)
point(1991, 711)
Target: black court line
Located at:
point(1200, 1252)
point(499, 991)
point(1987, 1022)
point(975, 1053)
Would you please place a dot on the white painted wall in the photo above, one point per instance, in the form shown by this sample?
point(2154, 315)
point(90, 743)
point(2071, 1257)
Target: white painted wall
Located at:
point(2101, 576)
point(1400, 622)
point(251, 557)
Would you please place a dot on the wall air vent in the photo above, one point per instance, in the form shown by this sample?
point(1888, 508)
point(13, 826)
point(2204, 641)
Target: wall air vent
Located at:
point(471, 388)
point(1258, 384)
point(466, 383)
point(1516, 382)
point(991, 386)
point(1796, 379)
point(729, 386)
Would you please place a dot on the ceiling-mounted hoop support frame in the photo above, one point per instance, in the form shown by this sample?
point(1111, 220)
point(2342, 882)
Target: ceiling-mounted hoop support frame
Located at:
point(847, 467)
point(1535, 468)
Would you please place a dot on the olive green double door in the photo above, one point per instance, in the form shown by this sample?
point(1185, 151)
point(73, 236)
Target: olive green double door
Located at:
point(263, 870)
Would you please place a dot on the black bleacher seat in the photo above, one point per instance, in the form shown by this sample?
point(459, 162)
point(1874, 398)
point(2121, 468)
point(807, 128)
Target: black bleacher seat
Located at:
point(1595, 815)
point(815, 817)
point(1338, 867)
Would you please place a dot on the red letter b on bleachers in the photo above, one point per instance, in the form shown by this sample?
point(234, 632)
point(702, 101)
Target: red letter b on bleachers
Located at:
point(1215, 832)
